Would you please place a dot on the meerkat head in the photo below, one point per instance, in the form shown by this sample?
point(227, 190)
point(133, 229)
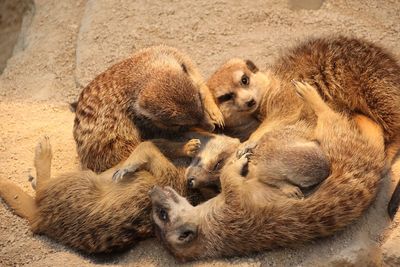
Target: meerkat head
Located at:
point(171, 97)
point(238, 88)
point(176, 222)
point(204, 171)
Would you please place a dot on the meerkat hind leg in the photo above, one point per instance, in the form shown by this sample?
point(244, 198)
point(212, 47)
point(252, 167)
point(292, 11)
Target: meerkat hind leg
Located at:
point(23, 204)
point(42, 162)
point(310, 96)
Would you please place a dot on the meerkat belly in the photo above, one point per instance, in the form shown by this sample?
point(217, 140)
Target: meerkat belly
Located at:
point(289, 163)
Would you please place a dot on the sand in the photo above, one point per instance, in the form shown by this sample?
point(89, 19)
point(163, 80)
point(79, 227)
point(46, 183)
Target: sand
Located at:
point(62, 45)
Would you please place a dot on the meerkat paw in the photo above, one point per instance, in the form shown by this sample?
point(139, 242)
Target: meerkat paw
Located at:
point(215, 114)
point(43, 153)
point(309, 95)
point(292, 192)
point(124, 173)
point(245, 148)
point(237, 165)
point(192, 147)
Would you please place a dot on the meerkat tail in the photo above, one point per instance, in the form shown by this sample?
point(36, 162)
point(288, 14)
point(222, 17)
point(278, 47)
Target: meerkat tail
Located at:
point(22, 204)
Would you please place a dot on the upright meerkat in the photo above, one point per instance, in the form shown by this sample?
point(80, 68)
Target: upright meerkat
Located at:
point(241, 220)
point(353, 76)
point(157, 92)
point(91, 212)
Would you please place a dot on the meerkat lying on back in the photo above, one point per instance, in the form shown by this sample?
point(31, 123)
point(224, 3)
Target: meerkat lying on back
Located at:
point(158, 92)
point(351, 75)
point(91, 212)
point(284, 160)
point(242, 220)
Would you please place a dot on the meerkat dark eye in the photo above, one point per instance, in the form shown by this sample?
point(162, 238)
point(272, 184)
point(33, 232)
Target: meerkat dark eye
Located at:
point(163, 215)
point(245, 80)
point(225, 97)
point(218, 165)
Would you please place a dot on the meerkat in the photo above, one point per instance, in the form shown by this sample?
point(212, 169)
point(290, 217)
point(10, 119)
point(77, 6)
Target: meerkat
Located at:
point(156, 93)
point(240, 221)
point(91, 212)
point(353, 76)
point(285, 159)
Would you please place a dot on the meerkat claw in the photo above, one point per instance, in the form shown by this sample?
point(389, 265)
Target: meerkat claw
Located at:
point(119, 175)
point(122, 173)
point(192, 147)
point(246, 148)
point(43, 149)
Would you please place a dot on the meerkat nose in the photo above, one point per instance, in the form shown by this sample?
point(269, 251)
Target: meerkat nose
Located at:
point(251, 103)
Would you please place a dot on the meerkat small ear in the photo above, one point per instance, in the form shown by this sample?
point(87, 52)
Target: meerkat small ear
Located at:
point(252, 67)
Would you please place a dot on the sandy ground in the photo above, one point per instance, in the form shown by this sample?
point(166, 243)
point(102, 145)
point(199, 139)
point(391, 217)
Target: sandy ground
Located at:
point(64, 44)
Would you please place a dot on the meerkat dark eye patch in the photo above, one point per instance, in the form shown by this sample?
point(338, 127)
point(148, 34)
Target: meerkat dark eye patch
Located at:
point(162, 214)
point(184, 68)
point(252, 67)
point(219, 164)
point(225, 97)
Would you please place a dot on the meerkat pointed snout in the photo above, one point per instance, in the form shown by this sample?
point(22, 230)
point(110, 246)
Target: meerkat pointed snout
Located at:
point(171, 214)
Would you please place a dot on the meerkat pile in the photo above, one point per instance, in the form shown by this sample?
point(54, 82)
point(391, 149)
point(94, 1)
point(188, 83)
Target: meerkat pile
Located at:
point(298, 158)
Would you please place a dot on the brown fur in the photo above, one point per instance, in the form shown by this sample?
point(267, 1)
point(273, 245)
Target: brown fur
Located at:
point(285, 160)
point(155, 93)
point(353, 76)
point(89, 211)
point(241, 220)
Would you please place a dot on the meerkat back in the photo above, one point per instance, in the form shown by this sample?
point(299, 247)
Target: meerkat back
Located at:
point(155, 93)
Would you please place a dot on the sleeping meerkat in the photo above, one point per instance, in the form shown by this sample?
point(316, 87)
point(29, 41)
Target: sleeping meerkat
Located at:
point(353, 76)
point(156, 93)
point(285, 159)
point(91, 212)
point(241, 220)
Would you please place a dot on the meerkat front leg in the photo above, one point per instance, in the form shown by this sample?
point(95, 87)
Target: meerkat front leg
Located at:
point(178, 149)
point(231, 175)
point(210, 106)
point(147, 156)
